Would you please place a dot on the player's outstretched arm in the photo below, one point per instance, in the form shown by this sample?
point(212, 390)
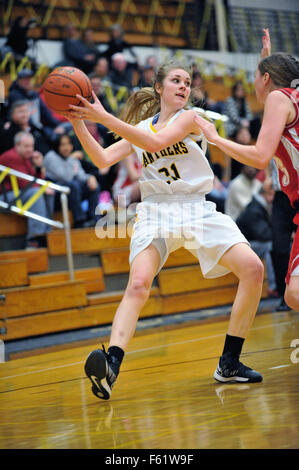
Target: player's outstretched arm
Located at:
point(101, 157)
point(259, 155)
point(182, 126)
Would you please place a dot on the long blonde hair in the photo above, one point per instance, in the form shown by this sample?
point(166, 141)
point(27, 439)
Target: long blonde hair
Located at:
point(145, 102)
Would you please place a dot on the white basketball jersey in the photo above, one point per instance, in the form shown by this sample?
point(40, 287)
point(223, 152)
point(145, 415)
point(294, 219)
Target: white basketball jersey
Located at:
point(180, 168)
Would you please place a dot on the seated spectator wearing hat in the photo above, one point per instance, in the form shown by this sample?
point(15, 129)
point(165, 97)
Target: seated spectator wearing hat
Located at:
point(62, 168)
point(19, 120)
point(22, 157)
point(255, 224)
point(41, 116)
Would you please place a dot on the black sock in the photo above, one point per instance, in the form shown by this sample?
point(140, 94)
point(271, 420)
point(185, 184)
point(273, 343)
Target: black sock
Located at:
point(117, 355)
point(233, 345)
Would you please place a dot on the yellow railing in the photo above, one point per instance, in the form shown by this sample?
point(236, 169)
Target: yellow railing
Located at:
point(9, 62)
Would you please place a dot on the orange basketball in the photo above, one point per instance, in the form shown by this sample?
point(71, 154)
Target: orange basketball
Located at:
point(62, 85)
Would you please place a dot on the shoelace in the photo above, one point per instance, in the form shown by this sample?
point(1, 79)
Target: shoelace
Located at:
point(111, 374)
point(230, 367)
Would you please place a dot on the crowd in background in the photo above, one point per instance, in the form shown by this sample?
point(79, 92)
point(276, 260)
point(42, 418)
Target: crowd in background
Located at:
point(39, 142)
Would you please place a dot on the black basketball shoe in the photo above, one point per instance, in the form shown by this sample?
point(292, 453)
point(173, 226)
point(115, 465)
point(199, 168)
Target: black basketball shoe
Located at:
point(102, 371)
point(230, 369)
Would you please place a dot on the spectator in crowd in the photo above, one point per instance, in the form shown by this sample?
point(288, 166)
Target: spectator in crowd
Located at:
point(101, 69)
point(126, 184)
point(283, 228)
point(241, 190)
point(200, 97)
point(237, 110)
point(17, 40)
point(106, 176)
point(88, 41)
point(121, 71)
point(19, 120)
point(100, 91)
point(40, 115)
point(255, 224)
point(219, 193)
point(62, 168)
point(241, 136)
point(77, 52)
point(22, 157)
point(147, 76)
point(117, 43)
point(152, 61)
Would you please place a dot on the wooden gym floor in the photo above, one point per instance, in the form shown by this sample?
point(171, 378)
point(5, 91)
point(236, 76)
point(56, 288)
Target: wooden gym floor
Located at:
point(165, 396)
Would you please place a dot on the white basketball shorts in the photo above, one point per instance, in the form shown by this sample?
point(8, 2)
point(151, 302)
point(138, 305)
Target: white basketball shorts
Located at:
point(173, 221)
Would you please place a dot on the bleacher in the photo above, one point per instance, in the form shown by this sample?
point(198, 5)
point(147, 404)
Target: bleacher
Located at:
point(158, 22)
point(246, 25)
point(41, 299)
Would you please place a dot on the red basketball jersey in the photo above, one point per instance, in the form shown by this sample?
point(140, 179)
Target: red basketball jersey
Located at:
point(287, 153)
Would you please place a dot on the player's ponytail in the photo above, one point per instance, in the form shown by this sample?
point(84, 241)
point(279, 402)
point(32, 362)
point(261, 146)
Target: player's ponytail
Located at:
point(140, 105)
point(282, 68)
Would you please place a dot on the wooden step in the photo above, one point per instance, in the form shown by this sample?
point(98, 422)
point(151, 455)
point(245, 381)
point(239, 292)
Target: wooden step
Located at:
point(117, 260)
point(190, 278)
point(37, 260)
point(85, 241)
point(114, 296)
point(93, 278)
point(37, 299)
point(71, 319)
point(186, 302)
point(13, 273)
point(12, 225)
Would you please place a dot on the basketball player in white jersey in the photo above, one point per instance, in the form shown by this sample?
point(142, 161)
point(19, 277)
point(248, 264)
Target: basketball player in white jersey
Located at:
point(173, 213)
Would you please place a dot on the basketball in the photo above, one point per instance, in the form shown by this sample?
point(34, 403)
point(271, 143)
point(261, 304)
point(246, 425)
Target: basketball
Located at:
point(62, 85)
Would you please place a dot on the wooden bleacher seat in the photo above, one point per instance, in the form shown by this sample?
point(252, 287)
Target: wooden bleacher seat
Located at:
point(13, 273)
point(45, 298)
point(143, 24)
point(12, 225)
point(93, 278)
point(190, 278)
point(83, 241)
point(37, 260)
point(99, 311)
point(117, 260)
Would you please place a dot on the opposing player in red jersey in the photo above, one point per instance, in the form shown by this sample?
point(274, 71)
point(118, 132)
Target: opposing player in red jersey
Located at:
point(276, 78)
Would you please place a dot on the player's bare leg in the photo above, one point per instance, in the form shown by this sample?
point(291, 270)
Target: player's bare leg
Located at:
point(249, 269)
point(102, 368)
point(291, 295)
